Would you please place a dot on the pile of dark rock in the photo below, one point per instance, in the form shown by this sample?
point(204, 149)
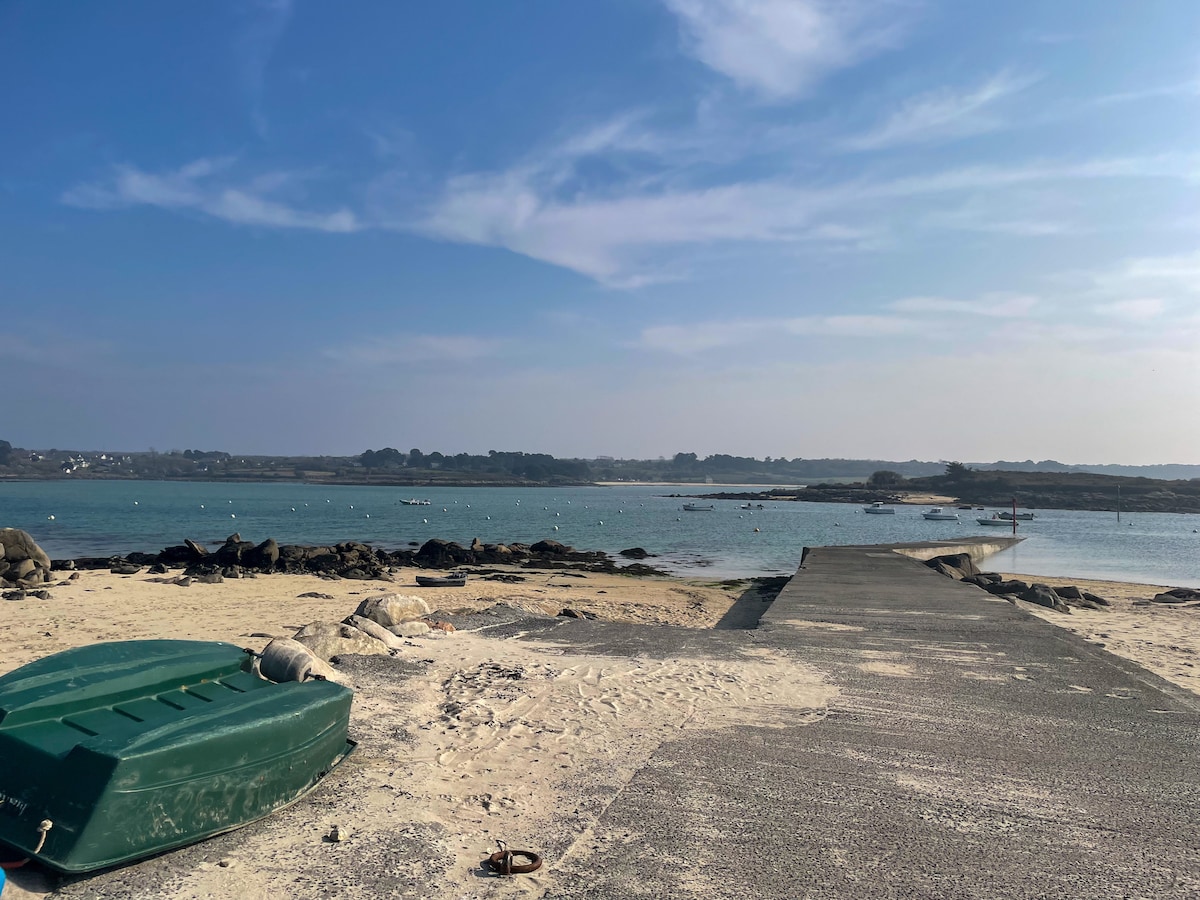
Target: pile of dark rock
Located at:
point(24, 566)
point(961, 567)
point(237, 558)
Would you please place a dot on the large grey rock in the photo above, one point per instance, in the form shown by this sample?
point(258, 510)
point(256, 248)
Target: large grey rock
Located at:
point(375, 630)
point(1043, 595)
point(19, 545)
point(955, 565)
point(329, 639)
point(392, 609)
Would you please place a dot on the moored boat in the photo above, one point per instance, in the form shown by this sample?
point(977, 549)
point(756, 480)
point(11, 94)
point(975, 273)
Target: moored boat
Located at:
point(878, 509)
point(696, 507)
point(452, 580)
point(415, 502)
point(996, 520)
point(1020, 517)
point(121, 750)
point(938, 514)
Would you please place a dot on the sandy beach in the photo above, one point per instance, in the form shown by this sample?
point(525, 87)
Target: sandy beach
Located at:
point(468, 737)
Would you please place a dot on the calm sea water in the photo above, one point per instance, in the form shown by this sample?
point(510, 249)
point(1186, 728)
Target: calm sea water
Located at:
point(101, 518)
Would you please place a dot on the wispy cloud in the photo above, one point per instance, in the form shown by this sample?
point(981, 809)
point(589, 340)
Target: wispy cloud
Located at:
point(1184, 89)
point(202, 186)
point(781, 48)
point(698, 337)
point(1140, 310)
point(943, 115)
point(407, 349)
point(264, 24)
point(1004, 306)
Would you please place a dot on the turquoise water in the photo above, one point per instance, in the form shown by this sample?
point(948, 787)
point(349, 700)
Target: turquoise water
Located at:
point(102, 518)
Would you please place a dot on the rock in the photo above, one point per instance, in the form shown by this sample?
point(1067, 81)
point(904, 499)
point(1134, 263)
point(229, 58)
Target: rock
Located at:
point(375, 630)
point(21, 569)
point(1006, 587)
point(413, 628)
point(1043, 595)
point(198, 550)
point(1069, 592)
point(1177, 595)
point(264, 556)
point(1100, 601)
point(392, 609)
point(636, 553)
point(569, 613)
point(553, 548)
point(19, 545)
point(955, 565)
point(329, 639)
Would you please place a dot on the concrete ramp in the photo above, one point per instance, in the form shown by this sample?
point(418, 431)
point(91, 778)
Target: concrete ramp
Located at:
point(972, 751)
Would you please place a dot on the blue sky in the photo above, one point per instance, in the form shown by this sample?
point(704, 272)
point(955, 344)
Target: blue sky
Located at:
point(864, 228)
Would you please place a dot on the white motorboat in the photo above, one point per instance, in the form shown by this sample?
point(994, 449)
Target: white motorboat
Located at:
point(996, 520)
point(696, 507)
point(1020, 517)
point(415, 502)
point(938, 514)
point(878, 509)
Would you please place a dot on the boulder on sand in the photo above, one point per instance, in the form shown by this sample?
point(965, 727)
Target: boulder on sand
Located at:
point(392, 609)
point(19, 545)
point(329, 639)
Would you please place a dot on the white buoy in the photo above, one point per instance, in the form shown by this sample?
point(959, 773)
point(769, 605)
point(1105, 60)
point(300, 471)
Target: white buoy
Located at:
point(444, 509)
point(232, 516)
point(555, 527)
point(558, 514)
point(757, 529)
point(489, 518)
point(293, 509)
point(202, 506)
point(426, 521)
point(352, 506)
point(601, 521)
point(368, 515)
point(50, 518)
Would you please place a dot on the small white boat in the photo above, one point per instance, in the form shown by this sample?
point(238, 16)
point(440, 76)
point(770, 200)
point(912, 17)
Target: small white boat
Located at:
point(878, 509)
point(996, 520)
point(416, 502)
point(752, 506)
point(1020, 517)
point(938, 514)
point(696, 507)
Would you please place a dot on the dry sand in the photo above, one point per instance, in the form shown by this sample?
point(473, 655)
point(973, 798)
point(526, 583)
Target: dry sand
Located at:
point(1162, 637)
point(481, 738)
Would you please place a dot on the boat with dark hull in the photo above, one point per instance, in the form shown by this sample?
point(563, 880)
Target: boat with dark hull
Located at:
point(118, 751)
point(451, 580)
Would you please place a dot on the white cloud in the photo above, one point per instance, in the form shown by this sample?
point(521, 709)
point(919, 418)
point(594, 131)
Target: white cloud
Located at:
point(1139, 310)
point(781, 48)
point(698, 337)
point(1004, 306)
point(406, 349)
point(942, 115)
point(194, 187)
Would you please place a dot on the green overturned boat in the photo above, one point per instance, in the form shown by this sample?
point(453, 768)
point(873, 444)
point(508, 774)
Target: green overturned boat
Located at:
point(117, 751)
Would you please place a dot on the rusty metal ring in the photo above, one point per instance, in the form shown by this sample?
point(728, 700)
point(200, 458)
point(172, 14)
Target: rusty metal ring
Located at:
point(501, 862)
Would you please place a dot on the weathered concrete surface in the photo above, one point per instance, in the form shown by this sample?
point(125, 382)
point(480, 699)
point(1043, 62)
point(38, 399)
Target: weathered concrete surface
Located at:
point(974, 751)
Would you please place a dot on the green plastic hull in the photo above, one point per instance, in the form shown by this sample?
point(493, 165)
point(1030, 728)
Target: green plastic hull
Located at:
point(137, 747)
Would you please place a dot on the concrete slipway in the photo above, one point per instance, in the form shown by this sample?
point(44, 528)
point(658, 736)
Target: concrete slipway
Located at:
point(974, 751)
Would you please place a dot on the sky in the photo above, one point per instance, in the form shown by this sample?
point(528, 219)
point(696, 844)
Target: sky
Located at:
point(891, 229)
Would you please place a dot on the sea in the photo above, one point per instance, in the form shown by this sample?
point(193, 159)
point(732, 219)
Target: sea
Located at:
point(70, 519)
